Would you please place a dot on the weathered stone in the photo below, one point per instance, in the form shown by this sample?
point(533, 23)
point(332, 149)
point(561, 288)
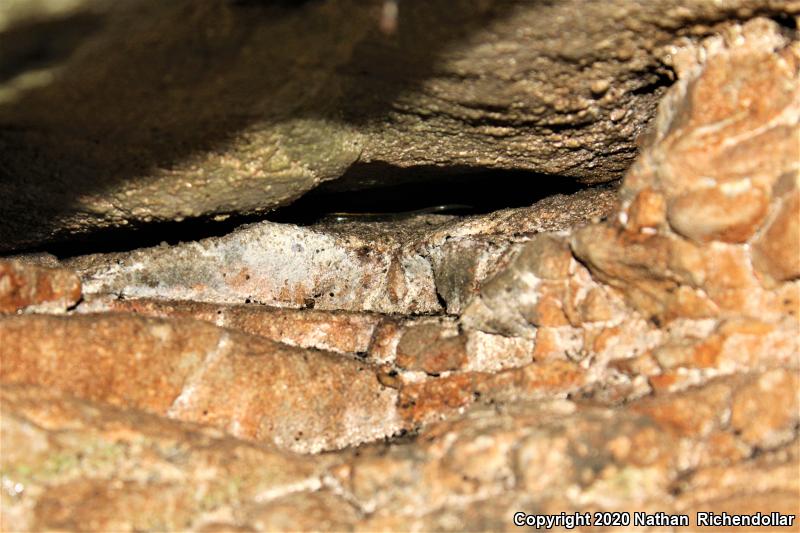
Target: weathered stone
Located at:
point(776, 252)
point(646, 362)
point(432, 349)
point(436, 398)
point(540, 264)
point(273, 264)
point(766, 411)
point(647, 211)
point(386, 266)
point(304, 511)
point(72, 464)
point(458, 268)
point(714, 214)
point(25, 286)
point(335, 331)
point(193, 371)
point(737, 93)
point(736, 345)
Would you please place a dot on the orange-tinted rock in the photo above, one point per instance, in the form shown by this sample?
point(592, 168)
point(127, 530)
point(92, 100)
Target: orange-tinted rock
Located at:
point(677, 346)
point(432, 349)
point(767, 482)
point(304, 511)
point(549, 308)
point(648, 210)
point(25, 285)
point(79, 465)
point(776, 252)
point(529, 290)
point(716, 214)
point(731, 117)
point(547, 256)
point(434, 398)
point(113, 506)
point(596, 306)
point(766, 411)
point(337, 331)
point(190, 370)
point(637, 264)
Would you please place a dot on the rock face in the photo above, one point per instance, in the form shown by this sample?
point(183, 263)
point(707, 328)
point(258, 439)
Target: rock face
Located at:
point(581, 355)
point(389, 267)
point(33, 287)
point(115, 114)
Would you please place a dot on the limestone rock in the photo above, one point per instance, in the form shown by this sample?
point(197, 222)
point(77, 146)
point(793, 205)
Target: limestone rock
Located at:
point(707, 165)
point(776, 252)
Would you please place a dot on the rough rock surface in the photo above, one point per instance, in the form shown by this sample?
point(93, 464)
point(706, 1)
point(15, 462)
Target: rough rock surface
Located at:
point(647, 361)
point(192, 371)
point(122, 113)
point(389, 267)
point(31, 287)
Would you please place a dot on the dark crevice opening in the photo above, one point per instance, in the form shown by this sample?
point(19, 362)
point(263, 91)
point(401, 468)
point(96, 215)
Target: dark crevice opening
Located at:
point(435, 190)
point(456, 191)
point(785, 20)
point(657, 80)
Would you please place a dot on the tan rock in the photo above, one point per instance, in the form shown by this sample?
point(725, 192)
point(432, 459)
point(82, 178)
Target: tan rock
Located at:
point(766, 411)
point(193, 371)
point(432, 349)
point(304, 511)
point(336, 331)
point(136, 130)
point(27, 286)
point(713, 214)
point(92, 466)
point(776, 252)
point(648, 210)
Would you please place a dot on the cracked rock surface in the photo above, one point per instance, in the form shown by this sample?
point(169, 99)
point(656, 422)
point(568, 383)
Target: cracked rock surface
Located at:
point(630, 350)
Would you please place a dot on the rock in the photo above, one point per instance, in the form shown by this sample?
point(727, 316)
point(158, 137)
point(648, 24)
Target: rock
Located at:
point(526, 292)
point(116, 114)
point(74, 464)
point(193, 371)
point(31, 287)
point(707, 165)
point(431, 349)
point(334, 331)
point(776, 252)
point(273, 264)
point(712, 214)
point(647, 211)
point(674, 453)
point(387, 267)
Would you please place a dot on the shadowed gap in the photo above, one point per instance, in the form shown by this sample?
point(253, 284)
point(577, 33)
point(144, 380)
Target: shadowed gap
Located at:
point(461, 191)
